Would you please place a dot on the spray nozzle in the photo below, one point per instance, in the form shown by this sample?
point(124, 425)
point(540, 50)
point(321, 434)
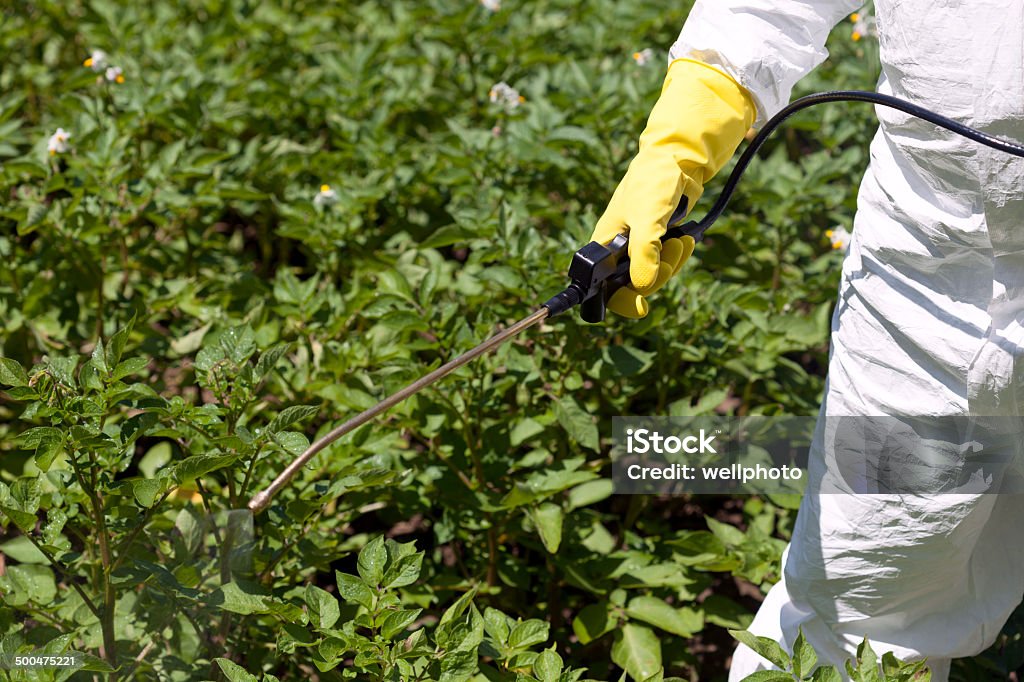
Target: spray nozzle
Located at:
point(599, 270)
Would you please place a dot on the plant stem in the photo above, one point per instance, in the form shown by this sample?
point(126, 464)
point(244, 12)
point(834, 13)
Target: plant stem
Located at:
point(106, 615)
point(248, 473)
point(492, 555)
point(60, 569)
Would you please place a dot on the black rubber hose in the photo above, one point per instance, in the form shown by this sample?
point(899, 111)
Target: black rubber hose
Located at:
point(822, 98)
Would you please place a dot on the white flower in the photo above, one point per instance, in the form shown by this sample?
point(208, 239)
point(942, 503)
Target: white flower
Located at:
point(325, 197)
point(492, 5)
point(97, 61)
point(643, 56)
point(840, 238)
point(863, 25)
point(114, 74)
point(504, 94)
point(58, 142)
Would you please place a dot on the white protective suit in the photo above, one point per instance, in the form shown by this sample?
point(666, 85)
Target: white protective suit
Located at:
point(928, 321)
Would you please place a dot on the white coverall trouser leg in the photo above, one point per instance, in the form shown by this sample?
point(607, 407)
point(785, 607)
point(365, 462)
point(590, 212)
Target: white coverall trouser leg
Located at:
point(929, 322)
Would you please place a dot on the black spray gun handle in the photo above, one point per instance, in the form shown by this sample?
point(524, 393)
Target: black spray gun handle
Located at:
point(599, 270)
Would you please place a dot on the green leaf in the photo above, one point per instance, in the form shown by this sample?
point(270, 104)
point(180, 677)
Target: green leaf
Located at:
point(190, 343)
point(786, 501)
point(730, 535)
point(726, 613)
point(25, 521)
point(290, 415)
point(115, 346)
point(396, 622)
point(593, 621)
point(234, 190)
point(48, 443)
point(33, 218)
point(23, 551)
point(198, 466)
point(235, 672)
point(685, 622)
point(523, 431)
point(548, 519)
point(155, 458)
point(190, 525)
point(353, 590)
point(458, 666)
point(293, 442)
point(578, 424)
point(591, 492)
point(238, 343)
point(372, 559)
point(547, 667)
point(890, 664)
point(24, 583)
point(323, 607)
point(461, 626)
point(63, 368)
point(269, 358)
point(93, 664)
point(12, 373)
point(826, 673)
point(497, 624)
point(804, 656)
point(628, 360)
point(404, 571)
point(768, 676)
point(867, 663)
point(241, 598)
point(99, 359)
point(90, 376)
point(446, 236)
point(528, 633)
point(637, 651)
point(764, 647)
point(456, 610)
point(129, 367)
point(147, 490)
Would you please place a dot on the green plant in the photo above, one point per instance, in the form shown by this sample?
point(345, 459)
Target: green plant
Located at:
point(802, 664)
point(385, 640)
point(182, 309)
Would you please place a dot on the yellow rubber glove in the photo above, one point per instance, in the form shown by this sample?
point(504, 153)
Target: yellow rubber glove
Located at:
point(695, 127)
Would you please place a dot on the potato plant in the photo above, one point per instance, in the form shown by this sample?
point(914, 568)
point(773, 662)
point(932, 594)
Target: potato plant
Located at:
point(227, 226)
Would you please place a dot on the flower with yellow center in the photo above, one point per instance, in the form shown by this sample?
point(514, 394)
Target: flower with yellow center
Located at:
point(325, 197)
point(58, 142)
point(505, 95)
point(114, 74)
point(839, 237)
point(643, 56)
point(98, 61)
point(863, 25)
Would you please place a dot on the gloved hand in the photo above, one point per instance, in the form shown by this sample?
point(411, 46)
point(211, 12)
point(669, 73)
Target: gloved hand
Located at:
point(695, 127)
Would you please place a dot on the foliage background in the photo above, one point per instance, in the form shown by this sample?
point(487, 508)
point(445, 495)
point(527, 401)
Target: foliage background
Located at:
point(183, 215)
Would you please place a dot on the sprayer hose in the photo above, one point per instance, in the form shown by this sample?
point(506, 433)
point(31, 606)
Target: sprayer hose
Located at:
point(750, 152)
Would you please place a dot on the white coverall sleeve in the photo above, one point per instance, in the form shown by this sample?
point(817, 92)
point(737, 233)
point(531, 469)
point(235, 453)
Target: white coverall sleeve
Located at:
point(766, 45)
